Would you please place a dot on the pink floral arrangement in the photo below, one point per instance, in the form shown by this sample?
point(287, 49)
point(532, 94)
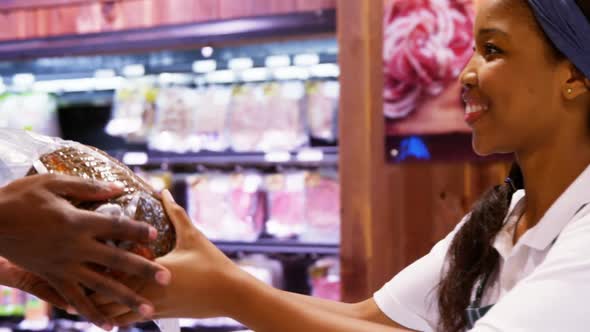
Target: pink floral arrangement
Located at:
point(426, 45)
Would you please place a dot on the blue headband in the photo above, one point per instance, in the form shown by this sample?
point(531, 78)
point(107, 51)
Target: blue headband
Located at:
point(567, 27)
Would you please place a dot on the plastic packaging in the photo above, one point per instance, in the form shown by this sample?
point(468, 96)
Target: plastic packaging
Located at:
point(133, 110)
point(173, 128)
point(31, 111)
point(324, 279)
point(226, 206)
point(321, 105)
point(209, 122)
point(286, 204)
point(322, 207)
point(23, 153)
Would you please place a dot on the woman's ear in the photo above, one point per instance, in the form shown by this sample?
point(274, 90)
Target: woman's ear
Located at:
point(576, 84)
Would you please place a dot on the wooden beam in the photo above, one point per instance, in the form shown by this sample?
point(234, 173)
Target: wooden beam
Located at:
point(362, 136)
point(36, 4)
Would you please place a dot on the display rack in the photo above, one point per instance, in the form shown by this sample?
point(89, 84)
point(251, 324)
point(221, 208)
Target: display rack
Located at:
point(174, 50)
point(267, 246)
point(304, 157)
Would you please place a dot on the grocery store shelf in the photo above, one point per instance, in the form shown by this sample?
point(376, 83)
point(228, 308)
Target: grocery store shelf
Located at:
point(278, 247)
point(173, 36)
point(324, 156)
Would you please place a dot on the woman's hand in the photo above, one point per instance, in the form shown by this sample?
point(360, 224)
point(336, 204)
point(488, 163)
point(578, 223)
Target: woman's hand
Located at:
point(203, 281)
point(44, 234)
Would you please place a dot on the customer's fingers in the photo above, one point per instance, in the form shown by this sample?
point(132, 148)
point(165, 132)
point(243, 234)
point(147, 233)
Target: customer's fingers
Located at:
point(102, 284)
point(81, 189)
point(123, 261)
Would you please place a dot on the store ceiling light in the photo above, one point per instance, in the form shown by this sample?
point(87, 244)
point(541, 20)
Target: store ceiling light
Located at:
point(291, 73)
point(275, 61)
point(325, 70)
point(79, 84)
point(133, 71)
point(240, 63)
point(307, 59)
point(108, 83)
point(277, 157)
point(207, 51)
point(135, 158)
point(310, 155)
point(204, 66)
point(102, 73)
point(23, 79)
point(255, 75)
point(221, 76)
point(174, 78)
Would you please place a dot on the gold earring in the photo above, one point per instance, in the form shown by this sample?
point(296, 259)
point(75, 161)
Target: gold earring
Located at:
point(569, 91)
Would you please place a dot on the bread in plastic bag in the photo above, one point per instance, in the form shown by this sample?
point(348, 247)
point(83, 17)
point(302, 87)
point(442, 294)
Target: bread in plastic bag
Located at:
point(23, 153)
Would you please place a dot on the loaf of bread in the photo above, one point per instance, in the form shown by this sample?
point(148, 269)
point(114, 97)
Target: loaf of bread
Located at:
point(138, 202)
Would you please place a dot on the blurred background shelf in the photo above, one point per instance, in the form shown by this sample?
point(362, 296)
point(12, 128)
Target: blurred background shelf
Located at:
point(313, 156)
point(278, 246)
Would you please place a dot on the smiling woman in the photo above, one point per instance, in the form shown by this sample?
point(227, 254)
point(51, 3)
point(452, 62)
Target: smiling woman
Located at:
point(523, 96)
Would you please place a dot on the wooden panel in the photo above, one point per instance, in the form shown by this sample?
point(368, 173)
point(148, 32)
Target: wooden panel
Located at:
point(428, 200)
point(23, 20)
point(9, 24)
point(36, 4)
point(362, 158)
point(135, 14)
point(306, 5)
point(184, 11)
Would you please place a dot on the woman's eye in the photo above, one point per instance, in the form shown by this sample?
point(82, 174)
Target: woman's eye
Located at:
point(491, 49)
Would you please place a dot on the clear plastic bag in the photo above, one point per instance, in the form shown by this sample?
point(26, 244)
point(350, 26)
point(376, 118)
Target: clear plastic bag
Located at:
point(23, 153)
point(33, 111)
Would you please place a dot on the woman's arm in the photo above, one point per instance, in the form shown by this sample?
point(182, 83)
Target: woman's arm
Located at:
point(263, 308)
point(205, 283)
point(366, 310)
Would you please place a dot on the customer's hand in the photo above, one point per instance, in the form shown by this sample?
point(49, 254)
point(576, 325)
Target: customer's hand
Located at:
point(16, 277)
point(203, 278)
point(43, 233)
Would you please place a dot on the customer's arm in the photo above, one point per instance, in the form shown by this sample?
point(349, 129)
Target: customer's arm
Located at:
point(43, 233)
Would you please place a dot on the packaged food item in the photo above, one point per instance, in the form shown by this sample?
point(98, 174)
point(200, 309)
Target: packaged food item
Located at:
point(248, 201)
point(133, 111)
point(267, 117)
point(211, 117)
point(34, 111)
point(264, 268)
point(322, 207)
point(285, 130)
point(227, 206)
point(286, 195)
point(20, 150)
point(23, 153)
point(173, 128)
point(324, 278)
point(248, 118)
point(321, 106)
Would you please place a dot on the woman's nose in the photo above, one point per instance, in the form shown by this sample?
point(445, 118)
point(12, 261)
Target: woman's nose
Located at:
point(468, 76)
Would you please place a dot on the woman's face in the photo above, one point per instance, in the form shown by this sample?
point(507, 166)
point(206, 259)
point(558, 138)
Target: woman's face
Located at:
point(513, 88)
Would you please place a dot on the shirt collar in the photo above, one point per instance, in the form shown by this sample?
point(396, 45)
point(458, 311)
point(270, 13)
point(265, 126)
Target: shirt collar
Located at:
point(559, 214)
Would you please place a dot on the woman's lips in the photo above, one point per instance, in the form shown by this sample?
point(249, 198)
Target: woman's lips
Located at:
point(474, 112)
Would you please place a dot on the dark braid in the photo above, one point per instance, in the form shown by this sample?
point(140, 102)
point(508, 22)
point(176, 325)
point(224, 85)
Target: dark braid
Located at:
point(471, 255)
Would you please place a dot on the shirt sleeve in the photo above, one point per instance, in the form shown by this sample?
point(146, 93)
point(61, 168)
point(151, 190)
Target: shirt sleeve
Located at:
point(554, 296)
point(410, 298)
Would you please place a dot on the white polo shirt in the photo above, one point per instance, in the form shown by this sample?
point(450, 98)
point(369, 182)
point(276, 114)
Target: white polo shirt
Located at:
point(541, 285)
